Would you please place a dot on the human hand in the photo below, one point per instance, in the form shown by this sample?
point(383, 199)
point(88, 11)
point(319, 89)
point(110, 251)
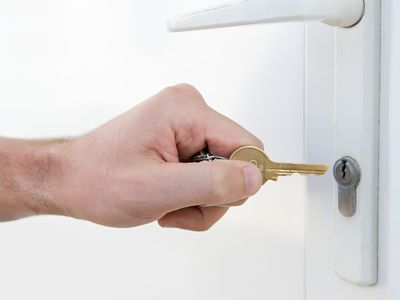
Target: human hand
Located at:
point(135, 169)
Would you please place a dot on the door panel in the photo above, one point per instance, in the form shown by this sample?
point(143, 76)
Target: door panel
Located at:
point(390, 147)
point(321, 280)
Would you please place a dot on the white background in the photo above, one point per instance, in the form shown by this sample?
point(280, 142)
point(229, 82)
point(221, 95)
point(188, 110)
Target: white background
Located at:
point(67, 66)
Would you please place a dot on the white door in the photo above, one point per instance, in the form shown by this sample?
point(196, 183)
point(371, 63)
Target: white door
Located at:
point(349, 96)
point(68, 66)
point(323, 225)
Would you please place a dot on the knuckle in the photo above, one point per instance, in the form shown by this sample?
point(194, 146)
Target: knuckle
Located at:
point(183, 92)
point(186, 88)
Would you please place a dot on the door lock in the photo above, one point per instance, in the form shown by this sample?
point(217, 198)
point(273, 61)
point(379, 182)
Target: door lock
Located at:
point(347, 173)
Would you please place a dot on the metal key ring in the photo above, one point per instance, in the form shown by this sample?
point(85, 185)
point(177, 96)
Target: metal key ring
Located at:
point(205, 155)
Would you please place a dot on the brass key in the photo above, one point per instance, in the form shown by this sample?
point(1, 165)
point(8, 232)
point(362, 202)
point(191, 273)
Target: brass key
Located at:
point(272, 170)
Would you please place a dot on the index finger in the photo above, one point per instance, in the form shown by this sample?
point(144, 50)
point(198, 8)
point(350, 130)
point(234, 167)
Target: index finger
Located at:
point(224, 136)
point(196, 126)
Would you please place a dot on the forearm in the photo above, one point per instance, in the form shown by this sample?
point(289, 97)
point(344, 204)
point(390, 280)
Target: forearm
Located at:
point(30, 174)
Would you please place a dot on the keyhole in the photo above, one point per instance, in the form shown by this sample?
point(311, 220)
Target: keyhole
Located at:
point(346, 176)
point(344, 173)
point(347, 172)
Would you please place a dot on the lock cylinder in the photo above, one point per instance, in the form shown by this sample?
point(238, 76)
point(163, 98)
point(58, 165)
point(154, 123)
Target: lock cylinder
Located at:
point(347, 174)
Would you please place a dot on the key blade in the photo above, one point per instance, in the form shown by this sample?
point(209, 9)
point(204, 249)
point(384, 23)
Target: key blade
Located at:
point(282, 169)
point(299, 169)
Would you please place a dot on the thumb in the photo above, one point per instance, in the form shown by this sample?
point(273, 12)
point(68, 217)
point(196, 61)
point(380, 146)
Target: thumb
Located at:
point(210, 183)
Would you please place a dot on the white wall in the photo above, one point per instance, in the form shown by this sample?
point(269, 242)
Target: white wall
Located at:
point(67, 66)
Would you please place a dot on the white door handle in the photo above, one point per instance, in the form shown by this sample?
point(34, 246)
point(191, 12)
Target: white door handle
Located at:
point(341, 13)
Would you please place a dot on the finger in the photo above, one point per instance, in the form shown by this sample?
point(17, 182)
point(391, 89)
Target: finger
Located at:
point(193, 218)
point(208, 183)
point(224, 136)
point(220, 134)
point(196, 125)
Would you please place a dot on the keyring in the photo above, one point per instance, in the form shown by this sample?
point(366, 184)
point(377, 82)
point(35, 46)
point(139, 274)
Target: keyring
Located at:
point(205, 155)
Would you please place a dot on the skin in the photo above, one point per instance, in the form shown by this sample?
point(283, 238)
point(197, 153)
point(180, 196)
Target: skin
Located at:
point(134, 169)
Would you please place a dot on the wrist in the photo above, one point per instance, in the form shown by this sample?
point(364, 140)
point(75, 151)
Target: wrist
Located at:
point(31, 175)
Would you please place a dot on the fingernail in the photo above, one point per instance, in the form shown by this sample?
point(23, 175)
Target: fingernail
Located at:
point(253, 179)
